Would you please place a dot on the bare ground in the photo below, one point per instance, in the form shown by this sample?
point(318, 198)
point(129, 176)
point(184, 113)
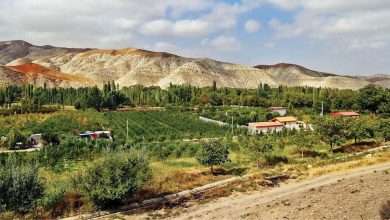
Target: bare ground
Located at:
point(355, 194)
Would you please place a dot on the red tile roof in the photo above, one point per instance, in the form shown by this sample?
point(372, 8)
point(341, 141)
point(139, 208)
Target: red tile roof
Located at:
point(346, 114)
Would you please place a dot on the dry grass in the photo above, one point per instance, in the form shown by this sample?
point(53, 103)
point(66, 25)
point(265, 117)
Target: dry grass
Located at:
point(178, 175)
point(370, 159)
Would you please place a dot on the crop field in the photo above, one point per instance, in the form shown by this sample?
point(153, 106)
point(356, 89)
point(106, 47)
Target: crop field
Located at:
point(161, 125)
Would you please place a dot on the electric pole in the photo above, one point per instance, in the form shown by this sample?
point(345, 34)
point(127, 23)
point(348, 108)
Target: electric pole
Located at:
point(127, 130)
point(232, 125)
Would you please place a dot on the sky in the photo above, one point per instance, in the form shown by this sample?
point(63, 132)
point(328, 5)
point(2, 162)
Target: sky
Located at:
point(339, 36)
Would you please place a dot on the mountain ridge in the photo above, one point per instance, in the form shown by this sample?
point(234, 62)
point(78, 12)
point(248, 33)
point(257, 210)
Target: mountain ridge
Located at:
point(132, 66)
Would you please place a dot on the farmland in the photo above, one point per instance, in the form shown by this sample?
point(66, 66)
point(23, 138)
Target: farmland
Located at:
point(143, 126)
point(164, 147)
point(161, 125)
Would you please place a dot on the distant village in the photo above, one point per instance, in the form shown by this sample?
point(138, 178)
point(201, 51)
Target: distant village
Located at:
point(277, 124)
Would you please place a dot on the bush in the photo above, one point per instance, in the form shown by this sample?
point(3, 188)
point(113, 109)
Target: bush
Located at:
point(273, 159)
point(213, 153)
point(20, 187)
point(15, 137)
point(51, 138)
point(385, 211)
point(110, 180)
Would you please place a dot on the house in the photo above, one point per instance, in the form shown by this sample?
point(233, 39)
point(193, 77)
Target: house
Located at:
point(345, 114)
point(94, 135)
point(264, 127)
point(289, 122)
point(282, 111)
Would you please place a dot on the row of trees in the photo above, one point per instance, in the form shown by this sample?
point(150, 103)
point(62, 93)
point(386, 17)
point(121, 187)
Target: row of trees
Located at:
point(110, 97)
point(371, 98)
point(335, 131)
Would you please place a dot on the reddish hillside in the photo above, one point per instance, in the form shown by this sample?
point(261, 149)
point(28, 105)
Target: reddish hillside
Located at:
point(34, 71)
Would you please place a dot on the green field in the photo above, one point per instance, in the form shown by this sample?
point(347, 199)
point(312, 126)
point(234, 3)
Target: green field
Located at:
point(161, 125)
point(143, 126)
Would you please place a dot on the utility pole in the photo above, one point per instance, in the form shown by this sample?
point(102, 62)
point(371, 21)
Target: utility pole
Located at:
point(232, 125)
point(127, 130)
point(322, 109)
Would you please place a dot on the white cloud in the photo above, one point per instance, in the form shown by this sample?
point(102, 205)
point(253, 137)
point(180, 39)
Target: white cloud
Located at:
point(165, 47)
point(252, 26)
point(158, 27)
point(125, 23)
point(223, 43)
point(181, 28)
point(358, 24)
point(90, 23)
point(191, 28)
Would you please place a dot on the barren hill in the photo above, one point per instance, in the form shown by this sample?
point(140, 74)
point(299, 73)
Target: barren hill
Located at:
point(78, 67)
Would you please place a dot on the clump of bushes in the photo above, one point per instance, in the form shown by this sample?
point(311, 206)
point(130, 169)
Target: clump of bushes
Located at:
point(116, 177)
point(20, 188)
point(274, 159)
point(14, 138)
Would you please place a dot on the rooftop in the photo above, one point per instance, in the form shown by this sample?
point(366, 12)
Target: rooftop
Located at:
point(348, 114)
point(265, 124)
point(285, 119)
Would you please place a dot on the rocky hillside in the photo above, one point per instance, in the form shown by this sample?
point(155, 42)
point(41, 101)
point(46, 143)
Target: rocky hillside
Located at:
point(26, 63)
point(11, 50)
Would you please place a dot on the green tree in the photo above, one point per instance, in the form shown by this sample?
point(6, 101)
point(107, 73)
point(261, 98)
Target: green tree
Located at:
point(370, 98)
point(213, 153)
point(331, 130)
point(110, 180)
point(384, 129)
point(304, 141)
point(360, 128)
point(261, 148)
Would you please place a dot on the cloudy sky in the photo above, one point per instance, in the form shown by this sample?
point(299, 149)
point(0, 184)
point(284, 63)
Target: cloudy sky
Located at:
point(342, 36)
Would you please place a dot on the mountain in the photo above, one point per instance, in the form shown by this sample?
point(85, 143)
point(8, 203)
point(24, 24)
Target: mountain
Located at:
point(295, 75)
point(11, 50)
point(25, 63)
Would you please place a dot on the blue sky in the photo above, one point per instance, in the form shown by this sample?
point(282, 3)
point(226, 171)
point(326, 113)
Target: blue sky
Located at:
point(347, 37)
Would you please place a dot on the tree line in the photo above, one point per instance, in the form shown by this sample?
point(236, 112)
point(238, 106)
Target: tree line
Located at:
point(371, 98)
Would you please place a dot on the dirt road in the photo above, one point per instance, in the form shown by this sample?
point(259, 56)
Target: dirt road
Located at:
point(355, 194)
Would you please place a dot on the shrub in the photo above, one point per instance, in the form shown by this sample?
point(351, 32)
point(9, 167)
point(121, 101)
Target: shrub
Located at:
point(273, 159)
point(110, 180)
point(15, 137)
point(51, 138)
point(213, 153)
point(385, 211)
point(20, 187)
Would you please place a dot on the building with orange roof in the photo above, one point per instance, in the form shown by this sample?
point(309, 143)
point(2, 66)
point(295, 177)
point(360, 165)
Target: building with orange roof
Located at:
point(289, 122)
point(345, 114)
point(265, 127)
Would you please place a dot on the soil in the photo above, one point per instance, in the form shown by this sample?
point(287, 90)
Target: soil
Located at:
point(357, 147)
point(357, 194)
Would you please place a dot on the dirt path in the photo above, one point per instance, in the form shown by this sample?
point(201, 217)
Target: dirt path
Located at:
point(19, 151)
point(355, 194)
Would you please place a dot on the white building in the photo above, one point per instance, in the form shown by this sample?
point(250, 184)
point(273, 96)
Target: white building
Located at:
point(264, 127)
